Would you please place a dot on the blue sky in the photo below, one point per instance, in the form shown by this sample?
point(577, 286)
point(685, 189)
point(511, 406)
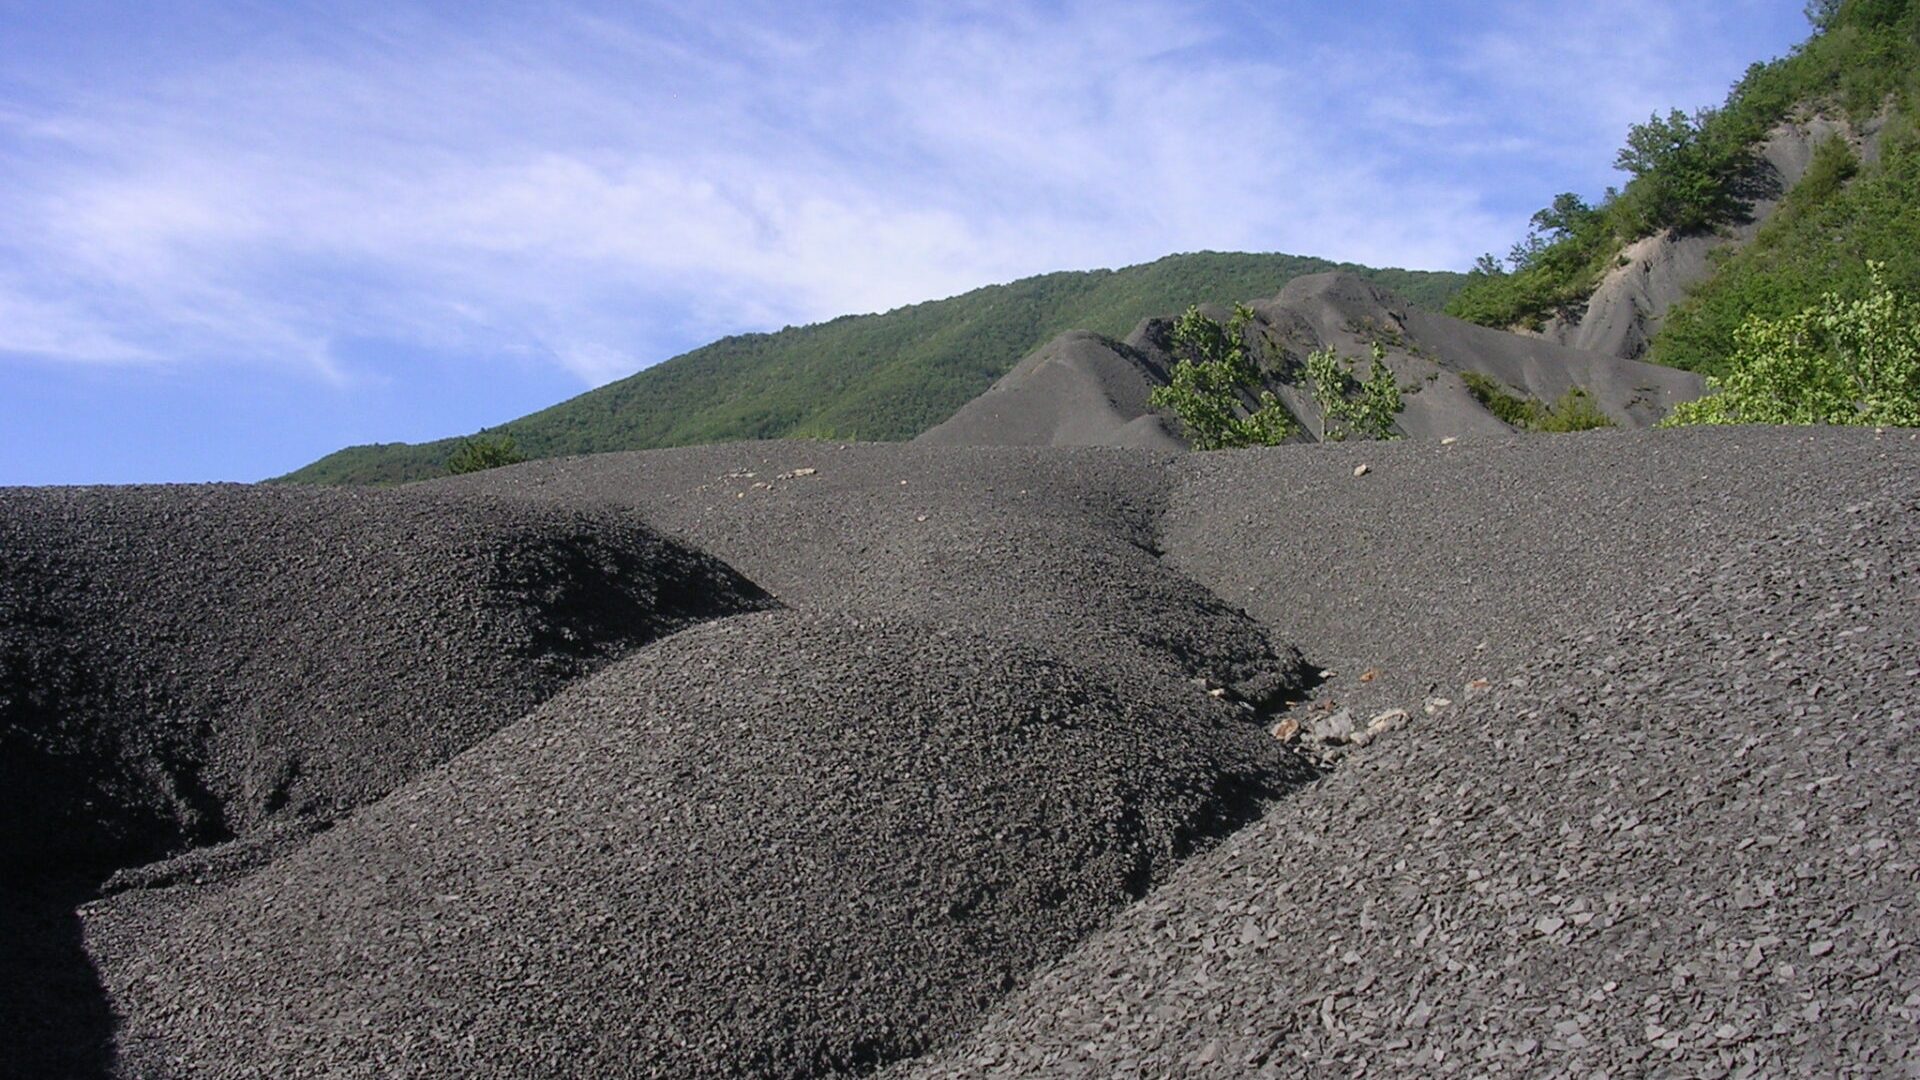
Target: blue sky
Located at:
point(236, 236)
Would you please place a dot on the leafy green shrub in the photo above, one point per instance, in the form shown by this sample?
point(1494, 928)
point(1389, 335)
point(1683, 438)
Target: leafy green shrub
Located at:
point(1512, 409)
point(1832, 166)
point(483, 452)
point(1208, 379)
point(1837, 362)
point(1572, 411)
point(1688, 175)
point(1351, 407)
point(1556, 266)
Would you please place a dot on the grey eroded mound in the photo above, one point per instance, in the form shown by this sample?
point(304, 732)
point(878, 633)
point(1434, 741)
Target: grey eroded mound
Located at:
point(179, 666)
point(1674, 840)
point(801, 843)
point(1429, 353)
point(205, 675)
point(785, 845)
point(1080, 389)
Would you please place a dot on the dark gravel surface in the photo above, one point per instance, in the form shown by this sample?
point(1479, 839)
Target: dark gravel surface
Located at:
point(1677, 841)
point(788, 844)
point(1056, 546)
point(673, 871)
point(1444, 564)
point(1013, 690)
point(181, 666)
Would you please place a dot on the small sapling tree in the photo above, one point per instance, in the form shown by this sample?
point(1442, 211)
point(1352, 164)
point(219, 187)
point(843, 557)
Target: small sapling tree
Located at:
point(1212, 372)
point(1350, 407)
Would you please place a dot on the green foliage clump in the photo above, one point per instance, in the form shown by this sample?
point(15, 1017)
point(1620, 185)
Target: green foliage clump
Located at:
point(1834, 164)
point(1838, 362)
point(1574, 410)
point(1353, 408)
point(483, 452)
point(1687, 175)
point(1512, 409)
point(881, 377)
point(1213, 372)
point(1555, 266)
point(1696, 173)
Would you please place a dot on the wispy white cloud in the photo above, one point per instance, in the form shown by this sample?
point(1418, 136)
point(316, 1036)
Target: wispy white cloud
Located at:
point(36, 326)
point(606, 189)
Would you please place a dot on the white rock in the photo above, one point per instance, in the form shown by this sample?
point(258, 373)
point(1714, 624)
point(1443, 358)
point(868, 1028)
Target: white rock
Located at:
point(1388, 720)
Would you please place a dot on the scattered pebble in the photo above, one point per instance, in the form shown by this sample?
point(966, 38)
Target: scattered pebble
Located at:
point(1388, 720)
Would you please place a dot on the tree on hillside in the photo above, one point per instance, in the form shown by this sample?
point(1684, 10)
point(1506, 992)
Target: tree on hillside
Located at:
point(1212, 375)
point(1684, 176)
point(1837, 362)
point(1567, 217)
point(483, 452)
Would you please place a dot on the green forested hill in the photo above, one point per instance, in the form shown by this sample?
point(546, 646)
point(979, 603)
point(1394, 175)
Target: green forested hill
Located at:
point(873, 377)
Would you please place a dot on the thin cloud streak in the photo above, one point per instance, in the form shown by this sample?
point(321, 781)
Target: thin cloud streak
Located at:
point(602, 192)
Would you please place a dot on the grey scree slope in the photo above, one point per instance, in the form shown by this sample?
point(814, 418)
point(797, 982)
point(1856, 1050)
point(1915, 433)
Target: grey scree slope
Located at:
point(1080, 389)
point(994, 647)
point(1676, 840)
point(795, 843)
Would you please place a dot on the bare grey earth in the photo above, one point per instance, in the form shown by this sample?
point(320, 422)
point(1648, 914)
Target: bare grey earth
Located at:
point(795, 759)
